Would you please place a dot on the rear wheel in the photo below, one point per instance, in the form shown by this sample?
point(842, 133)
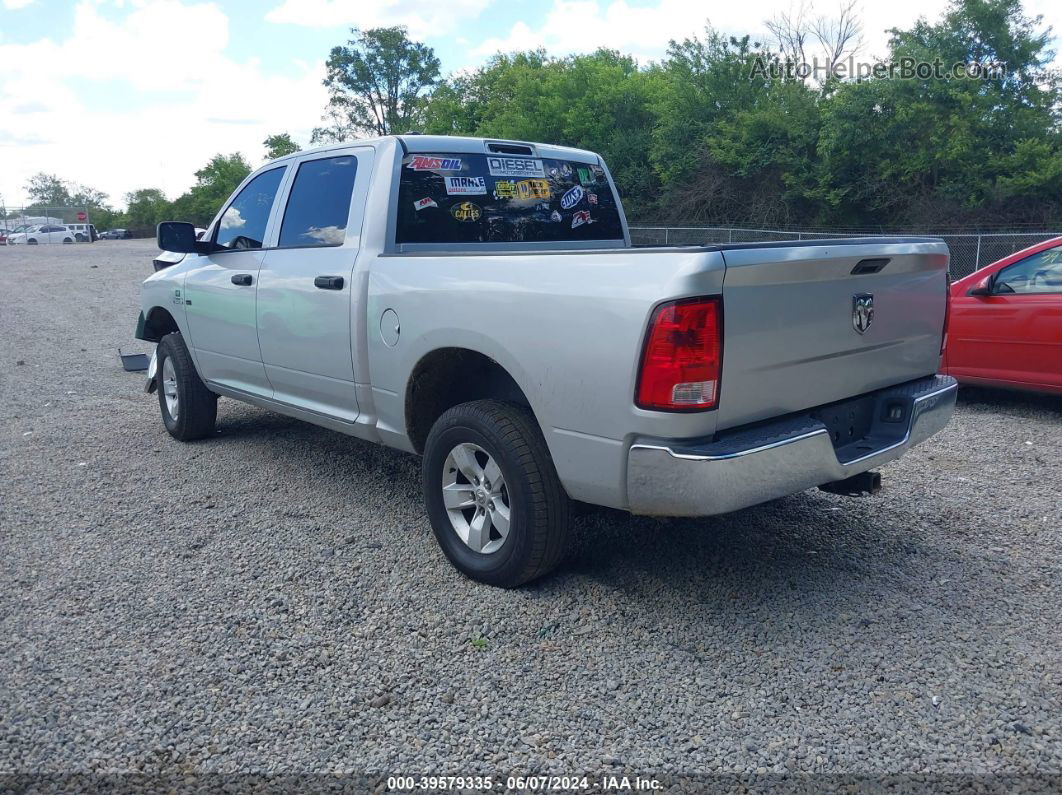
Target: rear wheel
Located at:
point(67, 240)
point(80, 238)
point(189, 409)
point(31, 242)
point(495, 502)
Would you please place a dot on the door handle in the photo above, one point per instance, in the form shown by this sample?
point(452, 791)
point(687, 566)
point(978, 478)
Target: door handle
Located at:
point(328, 282)
point(242, 279)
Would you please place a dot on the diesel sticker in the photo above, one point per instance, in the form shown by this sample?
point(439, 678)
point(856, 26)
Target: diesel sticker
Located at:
point(515, 167)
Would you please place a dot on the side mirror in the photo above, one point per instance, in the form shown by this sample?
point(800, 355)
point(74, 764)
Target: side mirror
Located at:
point(177, 237)
point(983, 287)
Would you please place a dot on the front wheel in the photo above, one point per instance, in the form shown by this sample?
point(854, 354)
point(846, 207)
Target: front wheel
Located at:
point(189, 409)
point(496, 505)
point(31, 242)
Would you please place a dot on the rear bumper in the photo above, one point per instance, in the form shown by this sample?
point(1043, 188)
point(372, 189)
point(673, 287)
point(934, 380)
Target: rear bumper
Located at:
point(775, 459)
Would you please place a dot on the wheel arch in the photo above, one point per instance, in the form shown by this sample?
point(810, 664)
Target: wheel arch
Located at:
point(157, 323)
point(445, 377)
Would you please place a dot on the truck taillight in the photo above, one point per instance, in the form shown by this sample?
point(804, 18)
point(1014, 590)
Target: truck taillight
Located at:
point(683, 356)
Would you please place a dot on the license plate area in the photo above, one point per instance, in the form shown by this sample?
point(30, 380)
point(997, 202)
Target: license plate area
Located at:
point(848, 421)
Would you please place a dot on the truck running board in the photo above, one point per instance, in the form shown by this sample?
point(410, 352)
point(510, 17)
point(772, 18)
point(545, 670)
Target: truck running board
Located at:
point(865, 483)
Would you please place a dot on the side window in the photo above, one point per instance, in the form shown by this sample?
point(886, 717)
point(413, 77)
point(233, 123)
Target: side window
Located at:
point(244, 223)
point(319, 203)
point(1040, 273)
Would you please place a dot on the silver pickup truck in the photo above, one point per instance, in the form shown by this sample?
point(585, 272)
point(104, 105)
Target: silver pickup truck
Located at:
point(478, 302)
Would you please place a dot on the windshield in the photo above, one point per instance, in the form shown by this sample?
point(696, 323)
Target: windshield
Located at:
point(466, 198)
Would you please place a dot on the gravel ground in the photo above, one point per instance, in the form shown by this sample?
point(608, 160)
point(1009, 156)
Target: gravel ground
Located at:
point(272, 600)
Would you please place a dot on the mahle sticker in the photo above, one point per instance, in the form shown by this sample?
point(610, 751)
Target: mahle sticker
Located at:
point(466, 212)
point(427, 201)
point(515, 167)
point(571, 198)
point(425, 163)
point(466, 186)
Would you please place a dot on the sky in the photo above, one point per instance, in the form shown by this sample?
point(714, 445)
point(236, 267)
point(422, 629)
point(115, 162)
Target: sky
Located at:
point(128, 94)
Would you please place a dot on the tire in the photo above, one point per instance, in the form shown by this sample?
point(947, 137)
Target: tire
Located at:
point(196, 407)
point(538, 507)
point(67, 240)
point(31, 242)
point(80, 238)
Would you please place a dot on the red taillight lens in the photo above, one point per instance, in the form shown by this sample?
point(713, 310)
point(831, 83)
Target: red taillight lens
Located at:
point(683, 356)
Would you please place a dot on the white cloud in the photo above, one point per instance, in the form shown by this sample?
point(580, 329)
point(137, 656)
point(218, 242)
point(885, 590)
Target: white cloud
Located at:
point(175, 99)
point(14, 5)
point(423, 19)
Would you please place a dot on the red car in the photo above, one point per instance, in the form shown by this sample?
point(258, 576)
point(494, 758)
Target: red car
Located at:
point(1006, 322)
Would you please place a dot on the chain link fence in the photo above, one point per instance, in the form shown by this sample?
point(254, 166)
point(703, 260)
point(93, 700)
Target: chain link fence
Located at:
point(969, 251)
point(19, 219)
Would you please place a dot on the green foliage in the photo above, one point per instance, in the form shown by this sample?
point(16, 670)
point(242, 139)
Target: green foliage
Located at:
point(279, 145)
point(703, 137)
point(376, 84)
point(146, 208)
point(215, 182)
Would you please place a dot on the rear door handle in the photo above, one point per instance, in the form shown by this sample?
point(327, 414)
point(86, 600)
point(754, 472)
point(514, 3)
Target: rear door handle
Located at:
point(242, 279)
point(328, 282)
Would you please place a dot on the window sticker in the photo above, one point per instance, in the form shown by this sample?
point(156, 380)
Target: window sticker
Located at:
point(515, 167)
point(591, 197)
point(580, 218)
point(427, 201)
point(555, 216)
point(533, 189)
point(466, 212)
point(425, 163)
point(572, 197)
point(466, 186)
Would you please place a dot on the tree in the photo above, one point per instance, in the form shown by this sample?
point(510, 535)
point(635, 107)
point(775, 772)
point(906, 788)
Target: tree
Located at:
point(215, 182)
point(279, 145)
point(47, 190)
point(146, 208)
point(376, 84)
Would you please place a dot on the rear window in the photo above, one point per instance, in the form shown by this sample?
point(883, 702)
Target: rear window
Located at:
point(480, 198)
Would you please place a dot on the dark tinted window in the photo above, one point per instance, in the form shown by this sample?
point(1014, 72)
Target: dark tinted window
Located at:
point(319, 203)
point(463, 198)
point(244, 223)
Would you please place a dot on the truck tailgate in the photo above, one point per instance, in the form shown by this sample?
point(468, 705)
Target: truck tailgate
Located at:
point(793, 313)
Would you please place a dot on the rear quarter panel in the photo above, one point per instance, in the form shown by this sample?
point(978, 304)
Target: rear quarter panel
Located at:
point(567, 326)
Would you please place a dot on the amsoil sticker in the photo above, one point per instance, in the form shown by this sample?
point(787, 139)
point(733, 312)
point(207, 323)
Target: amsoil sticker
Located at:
point(426, 163)
point(515, 167)
point(427, 201)
point(466, 212)
point(466, 186)
point(571, 198)
point(581, 217)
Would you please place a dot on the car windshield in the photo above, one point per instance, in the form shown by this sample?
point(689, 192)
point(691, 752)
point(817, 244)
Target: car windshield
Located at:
point(464, 198)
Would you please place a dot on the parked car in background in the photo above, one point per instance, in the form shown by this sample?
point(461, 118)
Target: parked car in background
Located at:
point(116, 234)
point(84, 233)
point(479, 302)
point(1006, 322)
point(3, 237)
point(40, 235)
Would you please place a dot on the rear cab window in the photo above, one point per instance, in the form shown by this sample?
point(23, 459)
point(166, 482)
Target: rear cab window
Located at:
point(488, 198)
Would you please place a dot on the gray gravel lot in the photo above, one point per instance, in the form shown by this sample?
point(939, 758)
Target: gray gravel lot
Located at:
point(272, 600)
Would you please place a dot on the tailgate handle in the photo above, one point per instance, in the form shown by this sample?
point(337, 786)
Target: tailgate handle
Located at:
point(865, 266)
point(328, 282)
